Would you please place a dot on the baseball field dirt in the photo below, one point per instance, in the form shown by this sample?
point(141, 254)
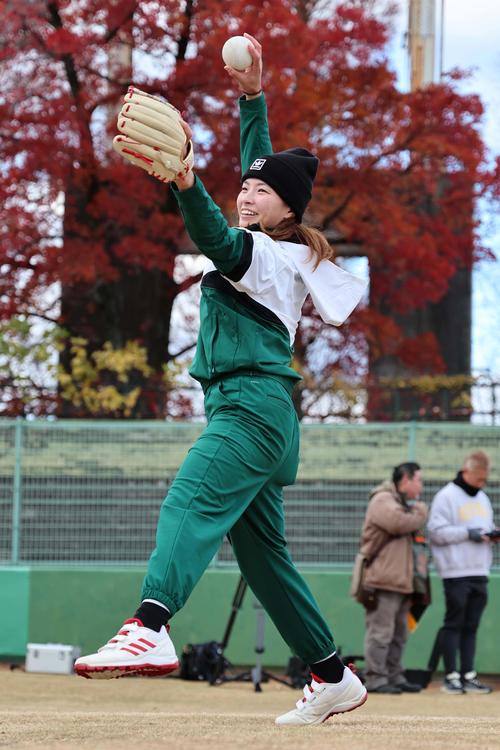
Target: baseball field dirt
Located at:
point(65, 711)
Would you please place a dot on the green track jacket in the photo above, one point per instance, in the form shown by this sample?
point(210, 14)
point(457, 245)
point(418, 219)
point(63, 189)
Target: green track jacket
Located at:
point(237, 331)
point(253, 287)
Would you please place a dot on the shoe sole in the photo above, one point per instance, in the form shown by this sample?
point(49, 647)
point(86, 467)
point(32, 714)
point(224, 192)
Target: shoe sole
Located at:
point(324, 718)
point(109, 673)
point(344, 710)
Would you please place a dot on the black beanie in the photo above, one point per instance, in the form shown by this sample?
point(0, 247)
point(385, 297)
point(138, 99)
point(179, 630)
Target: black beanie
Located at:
point(290, 173)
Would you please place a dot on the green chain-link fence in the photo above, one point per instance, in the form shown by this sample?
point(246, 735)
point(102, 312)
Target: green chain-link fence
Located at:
point(90, 492)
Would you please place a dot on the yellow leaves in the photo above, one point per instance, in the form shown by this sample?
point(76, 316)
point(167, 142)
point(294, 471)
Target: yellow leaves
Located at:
point(18, 344)
point(108, 399)
point(99, 381)
point(462, 401)
point(173, 373)
point(431, 383)
point(120, 361)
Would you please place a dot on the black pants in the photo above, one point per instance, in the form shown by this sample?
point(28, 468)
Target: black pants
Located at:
point(465, 599)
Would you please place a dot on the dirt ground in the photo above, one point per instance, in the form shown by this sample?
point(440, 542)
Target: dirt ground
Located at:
point(67, 712)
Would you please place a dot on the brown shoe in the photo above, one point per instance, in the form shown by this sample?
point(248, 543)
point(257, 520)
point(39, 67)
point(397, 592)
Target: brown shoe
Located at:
point(409, 687)
point(386, 689)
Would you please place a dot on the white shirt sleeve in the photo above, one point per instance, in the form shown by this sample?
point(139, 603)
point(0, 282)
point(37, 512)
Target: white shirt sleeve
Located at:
point(442, 526)
point(334, 292)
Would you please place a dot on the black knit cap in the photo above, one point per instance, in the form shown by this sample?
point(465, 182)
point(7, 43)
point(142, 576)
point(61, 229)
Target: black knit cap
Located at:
point(290, 173)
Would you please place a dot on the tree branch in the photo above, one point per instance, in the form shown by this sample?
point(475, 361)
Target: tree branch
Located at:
point(67, 60)
point(184, 38)
point(188, 283)
point(42, 317)
point(129, 14)
point(371, 165)
point(182, 351)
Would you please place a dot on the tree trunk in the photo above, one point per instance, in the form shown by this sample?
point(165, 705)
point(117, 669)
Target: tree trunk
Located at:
point(138, 308)
point(449, 320)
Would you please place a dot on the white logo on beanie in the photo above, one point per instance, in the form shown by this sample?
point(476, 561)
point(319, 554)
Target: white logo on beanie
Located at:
point(258, 164)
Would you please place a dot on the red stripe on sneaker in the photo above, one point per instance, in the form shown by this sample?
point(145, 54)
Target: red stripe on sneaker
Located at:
point(316, 678)
point(137, 645)
point(148, 643)
point(134, 653)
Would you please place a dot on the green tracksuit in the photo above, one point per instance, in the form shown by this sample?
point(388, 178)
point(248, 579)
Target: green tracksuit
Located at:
point(232, 478)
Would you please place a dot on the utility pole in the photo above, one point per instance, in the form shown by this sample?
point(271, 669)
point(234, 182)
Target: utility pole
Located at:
point(441, 45)
point(422, 42)
point(449, 318)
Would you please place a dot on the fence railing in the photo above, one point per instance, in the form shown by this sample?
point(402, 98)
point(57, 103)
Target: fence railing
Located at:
point(82, 492)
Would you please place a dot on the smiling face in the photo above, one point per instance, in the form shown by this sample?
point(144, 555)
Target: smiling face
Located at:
point(258, 203)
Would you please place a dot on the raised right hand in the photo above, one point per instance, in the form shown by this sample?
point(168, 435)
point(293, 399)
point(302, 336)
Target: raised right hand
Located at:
point(250, 79)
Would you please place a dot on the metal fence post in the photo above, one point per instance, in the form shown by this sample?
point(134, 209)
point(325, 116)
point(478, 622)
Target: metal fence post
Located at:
point(412, 441)
point(17, 495)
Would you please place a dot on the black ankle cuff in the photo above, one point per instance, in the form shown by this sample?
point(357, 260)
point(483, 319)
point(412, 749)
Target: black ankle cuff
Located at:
point(329, 670)
point(152, 616)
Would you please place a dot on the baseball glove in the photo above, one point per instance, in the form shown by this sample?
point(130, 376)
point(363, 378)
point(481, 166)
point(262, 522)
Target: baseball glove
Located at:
point(152, 137)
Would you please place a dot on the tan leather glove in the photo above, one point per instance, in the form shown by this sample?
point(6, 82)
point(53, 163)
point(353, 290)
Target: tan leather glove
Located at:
point(152, 136)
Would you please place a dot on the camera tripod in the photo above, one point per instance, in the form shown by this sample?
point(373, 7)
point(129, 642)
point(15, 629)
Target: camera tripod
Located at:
point(257, 674)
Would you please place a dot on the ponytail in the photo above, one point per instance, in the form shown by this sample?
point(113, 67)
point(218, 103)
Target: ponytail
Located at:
point(319, 247)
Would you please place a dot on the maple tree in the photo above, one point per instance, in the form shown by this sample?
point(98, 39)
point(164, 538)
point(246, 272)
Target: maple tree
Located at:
point(75, 218)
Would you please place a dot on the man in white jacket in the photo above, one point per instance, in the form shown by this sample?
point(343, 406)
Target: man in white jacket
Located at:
point(460, 526)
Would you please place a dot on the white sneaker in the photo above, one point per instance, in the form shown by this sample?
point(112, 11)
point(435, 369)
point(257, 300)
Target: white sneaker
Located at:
point(472, 685)
point(324, 699)
point(134, 650)
point(452, 684)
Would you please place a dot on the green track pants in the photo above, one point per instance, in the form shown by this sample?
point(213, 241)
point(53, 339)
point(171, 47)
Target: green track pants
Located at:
point(231, 482)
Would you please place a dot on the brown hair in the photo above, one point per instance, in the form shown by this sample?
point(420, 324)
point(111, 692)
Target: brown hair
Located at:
point(318, 245)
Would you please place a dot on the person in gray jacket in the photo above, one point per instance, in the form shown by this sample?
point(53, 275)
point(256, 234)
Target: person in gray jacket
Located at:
point(460, 526)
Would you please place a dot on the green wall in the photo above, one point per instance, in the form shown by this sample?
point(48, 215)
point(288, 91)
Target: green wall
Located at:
point(85, 606)
point(14, 598)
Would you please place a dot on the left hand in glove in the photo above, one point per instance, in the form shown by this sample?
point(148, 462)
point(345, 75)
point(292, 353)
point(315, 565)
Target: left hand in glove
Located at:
point(153, 136)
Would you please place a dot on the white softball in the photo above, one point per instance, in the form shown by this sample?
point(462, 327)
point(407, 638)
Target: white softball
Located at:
point(235, 53)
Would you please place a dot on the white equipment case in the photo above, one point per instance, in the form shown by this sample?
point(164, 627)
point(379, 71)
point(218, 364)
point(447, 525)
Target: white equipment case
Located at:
point(55, 658)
